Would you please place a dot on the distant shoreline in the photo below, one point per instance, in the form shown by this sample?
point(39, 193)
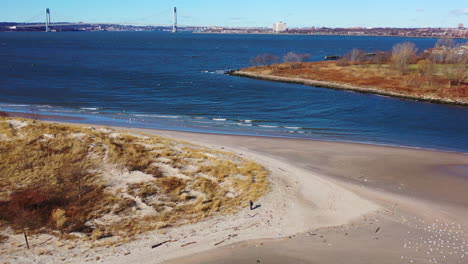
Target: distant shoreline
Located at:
point(344, 86)
point(300, 34)
point(248, 33)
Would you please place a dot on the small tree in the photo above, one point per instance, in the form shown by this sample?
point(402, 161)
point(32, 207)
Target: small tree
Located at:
point(381, 57)
point(447, 43)
point(402, 54)
point(426, 69)
point(356, 56)
point(264, 59)
point(443, 50)
point(457, 71)
point(295, 57)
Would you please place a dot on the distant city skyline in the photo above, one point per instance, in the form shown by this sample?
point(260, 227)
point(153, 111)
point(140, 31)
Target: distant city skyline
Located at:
point(243, 13)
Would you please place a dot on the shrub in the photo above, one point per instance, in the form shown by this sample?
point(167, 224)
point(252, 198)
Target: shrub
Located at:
point(30, 208)
point(264, 59)
point(356, 56)
point(455, 73)
point(426, 69)
point(381, 57)
point(59, 218)
point(295, 57)
point(402, 54)
point(343, 62)
point(447, 43)
point(171, 184)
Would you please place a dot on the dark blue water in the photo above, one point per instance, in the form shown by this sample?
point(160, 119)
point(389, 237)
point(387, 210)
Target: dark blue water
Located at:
point(175, 81)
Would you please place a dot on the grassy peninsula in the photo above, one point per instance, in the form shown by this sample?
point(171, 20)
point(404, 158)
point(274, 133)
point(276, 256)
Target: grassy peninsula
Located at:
point(438, 75)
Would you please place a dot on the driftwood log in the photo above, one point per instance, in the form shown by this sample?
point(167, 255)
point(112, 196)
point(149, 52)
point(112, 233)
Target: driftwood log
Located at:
point(162, 243)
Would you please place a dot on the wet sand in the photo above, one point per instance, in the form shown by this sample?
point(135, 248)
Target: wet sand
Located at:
point(433, 175)
point(422, 193)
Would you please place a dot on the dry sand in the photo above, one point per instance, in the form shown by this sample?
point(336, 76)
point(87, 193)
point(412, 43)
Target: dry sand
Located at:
point(329, 203)
point(422, 216)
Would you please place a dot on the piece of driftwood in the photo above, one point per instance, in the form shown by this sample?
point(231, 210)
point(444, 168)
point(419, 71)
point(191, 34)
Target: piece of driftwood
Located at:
point(251, 226)
point(222, 241)
point(162, 243)
point(26, 238)
point(43, 242)
point(189, 243)
point(107, 235)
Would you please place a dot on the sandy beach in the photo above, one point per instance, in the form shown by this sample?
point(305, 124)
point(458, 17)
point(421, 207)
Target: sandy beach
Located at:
point(419, 194)
point(328, 203)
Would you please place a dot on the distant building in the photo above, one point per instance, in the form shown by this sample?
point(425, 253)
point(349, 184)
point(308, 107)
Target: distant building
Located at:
point(461, 33)
point(279, 27)
point(461, 26)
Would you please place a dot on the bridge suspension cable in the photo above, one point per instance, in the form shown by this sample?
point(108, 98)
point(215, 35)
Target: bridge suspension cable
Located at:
point(159, 18)
point(39, 17)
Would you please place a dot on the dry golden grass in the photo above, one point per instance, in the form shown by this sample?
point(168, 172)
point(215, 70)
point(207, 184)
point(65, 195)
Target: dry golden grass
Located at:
point(107, 184)
point(370, 75)
point(3, 238)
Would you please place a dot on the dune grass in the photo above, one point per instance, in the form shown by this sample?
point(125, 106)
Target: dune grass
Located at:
point(103, 183)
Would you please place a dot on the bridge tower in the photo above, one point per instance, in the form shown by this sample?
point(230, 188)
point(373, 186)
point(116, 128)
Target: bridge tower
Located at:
point(174, 26)
point(47, 23)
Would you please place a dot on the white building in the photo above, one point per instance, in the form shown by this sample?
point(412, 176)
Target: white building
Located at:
point(279, 27)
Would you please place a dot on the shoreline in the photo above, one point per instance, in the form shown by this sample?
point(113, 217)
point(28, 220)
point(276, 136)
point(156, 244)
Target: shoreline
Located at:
point(302, 34)
point(343, 86)
point(82, 121)
point(367, 171)
point(317, 188)
point(373, 173)
point(388, 156)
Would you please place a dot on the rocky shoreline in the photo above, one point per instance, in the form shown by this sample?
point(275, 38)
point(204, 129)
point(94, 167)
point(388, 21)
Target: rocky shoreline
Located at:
point(343, 86)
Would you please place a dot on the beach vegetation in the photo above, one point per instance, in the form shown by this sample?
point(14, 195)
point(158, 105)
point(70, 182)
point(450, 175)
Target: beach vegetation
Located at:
point(264, 59)
point(295, 57)
point(108, 184)
point(440, 72)
point(402, 56)
point(446, 43)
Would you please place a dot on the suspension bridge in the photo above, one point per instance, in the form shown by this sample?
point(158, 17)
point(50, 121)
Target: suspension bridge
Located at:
point(47, 25)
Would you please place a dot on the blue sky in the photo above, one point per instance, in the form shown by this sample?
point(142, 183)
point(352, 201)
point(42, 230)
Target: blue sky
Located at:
point(250, 13)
